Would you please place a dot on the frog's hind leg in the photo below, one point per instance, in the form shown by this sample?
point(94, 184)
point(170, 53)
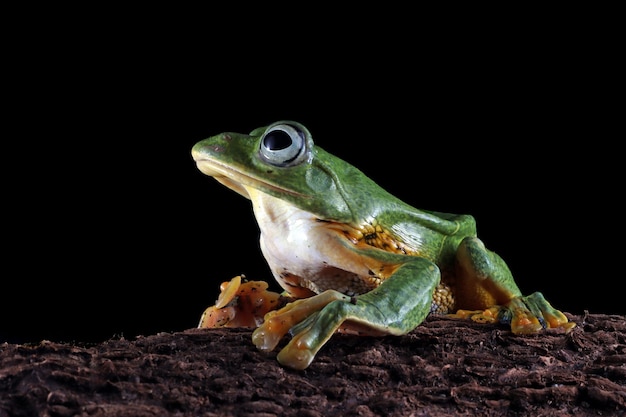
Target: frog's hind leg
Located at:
point(242, 303)
point(486, 292)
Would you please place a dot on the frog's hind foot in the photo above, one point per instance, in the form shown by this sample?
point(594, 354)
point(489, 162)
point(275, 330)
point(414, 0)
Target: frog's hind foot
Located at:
point(521, 322)
point(487, 316)
point(526, 312)
point(241, 303)
point(525, 315)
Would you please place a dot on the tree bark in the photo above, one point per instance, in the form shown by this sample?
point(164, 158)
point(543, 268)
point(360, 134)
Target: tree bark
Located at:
point(444, 367)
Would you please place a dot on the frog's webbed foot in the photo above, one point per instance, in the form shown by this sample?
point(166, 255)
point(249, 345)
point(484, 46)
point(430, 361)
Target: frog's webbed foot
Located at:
point(532, 313)
point(488, 316)
point(311, 329)
point(278, 323)
point(241, 304)
point(526, 315)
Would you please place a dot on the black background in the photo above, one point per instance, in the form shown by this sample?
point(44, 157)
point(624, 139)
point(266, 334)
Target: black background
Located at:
point(109, 228)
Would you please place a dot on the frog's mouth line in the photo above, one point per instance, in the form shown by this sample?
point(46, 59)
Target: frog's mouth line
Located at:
point(237, 180)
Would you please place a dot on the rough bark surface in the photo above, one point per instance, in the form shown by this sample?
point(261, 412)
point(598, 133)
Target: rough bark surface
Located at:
point(444, 367)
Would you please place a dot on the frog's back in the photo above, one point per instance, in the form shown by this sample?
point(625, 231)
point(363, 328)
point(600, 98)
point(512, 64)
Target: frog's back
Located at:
point(391, 224)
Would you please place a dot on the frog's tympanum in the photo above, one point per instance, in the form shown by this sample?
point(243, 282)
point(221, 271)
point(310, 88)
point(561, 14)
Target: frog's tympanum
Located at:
point(350, 256)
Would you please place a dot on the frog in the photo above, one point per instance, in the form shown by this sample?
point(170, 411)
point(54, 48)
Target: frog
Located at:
point(351, 257)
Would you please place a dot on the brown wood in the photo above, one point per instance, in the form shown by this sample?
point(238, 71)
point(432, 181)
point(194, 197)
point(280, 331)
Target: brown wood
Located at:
point(444, 367)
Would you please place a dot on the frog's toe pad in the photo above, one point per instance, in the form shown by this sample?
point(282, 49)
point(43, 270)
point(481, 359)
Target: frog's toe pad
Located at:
point(530, 325)
point(299, 352)
point(264, 339)
point(525, 324)
point(267, 336)
point(295, 357)
point(556, 319)
point(567, 326)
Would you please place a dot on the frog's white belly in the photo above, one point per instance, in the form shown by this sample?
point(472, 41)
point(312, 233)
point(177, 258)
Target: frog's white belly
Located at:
point(302, 252)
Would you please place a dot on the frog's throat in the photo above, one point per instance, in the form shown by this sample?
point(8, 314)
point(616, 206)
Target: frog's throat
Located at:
point(237, 180)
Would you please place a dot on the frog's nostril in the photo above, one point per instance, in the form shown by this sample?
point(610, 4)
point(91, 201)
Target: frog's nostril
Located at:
point(217, 148)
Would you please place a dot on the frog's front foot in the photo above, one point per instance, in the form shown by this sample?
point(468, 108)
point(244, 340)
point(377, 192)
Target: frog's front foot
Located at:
point(299, 352)
point(277, 324)
point(310, 335)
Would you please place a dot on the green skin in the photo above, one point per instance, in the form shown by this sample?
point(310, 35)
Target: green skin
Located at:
point(313, 211)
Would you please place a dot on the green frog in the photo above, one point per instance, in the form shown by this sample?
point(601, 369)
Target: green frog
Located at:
point(352, 257)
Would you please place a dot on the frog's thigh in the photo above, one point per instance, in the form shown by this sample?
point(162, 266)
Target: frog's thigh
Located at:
point(483, 279)
point(396, 307)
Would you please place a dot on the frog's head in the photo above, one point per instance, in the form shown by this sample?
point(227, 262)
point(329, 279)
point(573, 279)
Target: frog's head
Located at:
point(281, 160)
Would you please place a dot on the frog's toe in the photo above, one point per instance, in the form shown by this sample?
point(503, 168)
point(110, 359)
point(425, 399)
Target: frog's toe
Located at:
point(306, 342)
point(277, 323)
point(516, 314)
point(489, 315)
point(216, 317)
point(265, 339)
point(297, 354)
point(556, 319)
point(267, 336)
point(523, 322)
point(228, 290)
point(521, 319)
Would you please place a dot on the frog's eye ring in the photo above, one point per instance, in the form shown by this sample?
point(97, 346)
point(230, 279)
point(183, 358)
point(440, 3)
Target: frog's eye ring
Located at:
point(283, 145)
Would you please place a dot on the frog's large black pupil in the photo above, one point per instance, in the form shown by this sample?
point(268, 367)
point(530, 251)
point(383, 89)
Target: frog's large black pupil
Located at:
point(277, 140)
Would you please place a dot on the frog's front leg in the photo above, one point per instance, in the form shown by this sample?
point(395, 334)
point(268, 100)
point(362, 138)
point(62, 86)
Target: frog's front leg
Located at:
point(396, 307)
point(277, 324)
point(486, 292)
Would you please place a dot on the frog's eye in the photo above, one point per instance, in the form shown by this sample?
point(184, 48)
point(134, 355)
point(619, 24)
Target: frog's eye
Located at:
point(283, 145)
